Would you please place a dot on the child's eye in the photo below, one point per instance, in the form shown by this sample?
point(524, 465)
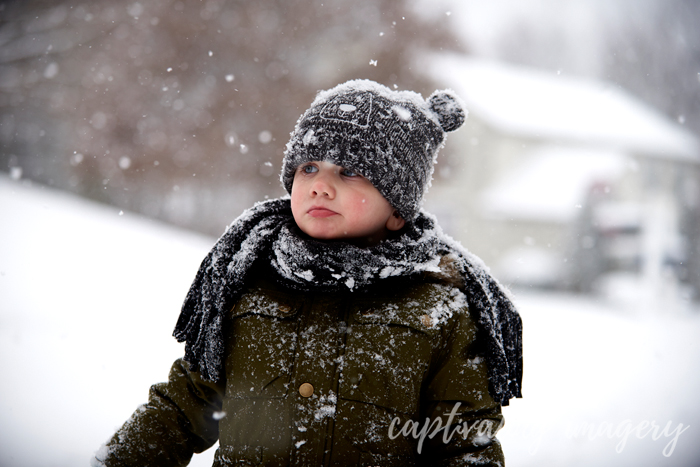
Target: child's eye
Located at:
point(349, 173)
point(309, 169)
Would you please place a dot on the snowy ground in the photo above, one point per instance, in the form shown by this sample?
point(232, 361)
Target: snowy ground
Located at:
point(89, 298)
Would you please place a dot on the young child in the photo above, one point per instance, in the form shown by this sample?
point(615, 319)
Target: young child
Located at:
point(339, 326)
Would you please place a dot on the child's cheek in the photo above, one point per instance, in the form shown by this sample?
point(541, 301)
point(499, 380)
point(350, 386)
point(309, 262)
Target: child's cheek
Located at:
point(296, 202)
point(359, 209)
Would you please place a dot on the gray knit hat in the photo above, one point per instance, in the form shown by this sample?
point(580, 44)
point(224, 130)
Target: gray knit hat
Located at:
point(390, 137)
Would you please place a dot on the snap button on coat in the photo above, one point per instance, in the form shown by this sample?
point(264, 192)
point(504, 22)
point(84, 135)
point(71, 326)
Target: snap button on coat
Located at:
point(306, 390)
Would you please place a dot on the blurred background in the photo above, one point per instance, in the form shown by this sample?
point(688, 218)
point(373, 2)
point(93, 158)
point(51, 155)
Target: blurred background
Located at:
point(132, 133)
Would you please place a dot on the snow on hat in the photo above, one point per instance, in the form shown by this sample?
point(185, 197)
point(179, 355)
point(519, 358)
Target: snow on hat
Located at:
point(390, 137)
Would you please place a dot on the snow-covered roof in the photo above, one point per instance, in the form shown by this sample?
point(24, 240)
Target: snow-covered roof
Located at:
point(552, 186)
point(533, 103)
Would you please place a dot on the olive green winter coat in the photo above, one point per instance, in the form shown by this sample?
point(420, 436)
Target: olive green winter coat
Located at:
point(312, 379)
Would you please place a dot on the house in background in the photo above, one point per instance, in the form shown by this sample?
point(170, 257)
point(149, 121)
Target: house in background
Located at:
point(561, 182)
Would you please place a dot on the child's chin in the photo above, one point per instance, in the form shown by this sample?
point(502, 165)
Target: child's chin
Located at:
point(323, 235)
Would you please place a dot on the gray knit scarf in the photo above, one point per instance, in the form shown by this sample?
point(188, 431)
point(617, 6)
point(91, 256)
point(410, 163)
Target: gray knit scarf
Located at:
point(267, 232)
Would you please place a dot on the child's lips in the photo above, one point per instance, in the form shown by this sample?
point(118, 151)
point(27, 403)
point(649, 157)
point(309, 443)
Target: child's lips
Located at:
point(318, 211)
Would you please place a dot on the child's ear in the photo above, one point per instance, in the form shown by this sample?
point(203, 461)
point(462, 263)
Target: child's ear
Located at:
point(395, 221)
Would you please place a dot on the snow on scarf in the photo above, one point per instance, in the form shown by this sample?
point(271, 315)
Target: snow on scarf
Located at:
point(268, 231)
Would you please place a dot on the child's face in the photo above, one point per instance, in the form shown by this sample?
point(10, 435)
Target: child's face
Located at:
point(333, 203)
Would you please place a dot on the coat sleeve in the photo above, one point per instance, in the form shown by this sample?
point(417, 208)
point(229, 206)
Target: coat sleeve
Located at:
point(457, 402)
point(178, 420)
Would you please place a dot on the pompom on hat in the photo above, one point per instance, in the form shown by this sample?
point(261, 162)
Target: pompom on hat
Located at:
point(390, 137)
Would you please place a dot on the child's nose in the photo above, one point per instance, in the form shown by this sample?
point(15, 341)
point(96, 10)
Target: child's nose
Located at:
point(323, 187)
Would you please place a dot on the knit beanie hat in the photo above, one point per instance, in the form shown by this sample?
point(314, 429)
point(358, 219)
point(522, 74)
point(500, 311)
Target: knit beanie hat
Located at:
point(390, 137)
